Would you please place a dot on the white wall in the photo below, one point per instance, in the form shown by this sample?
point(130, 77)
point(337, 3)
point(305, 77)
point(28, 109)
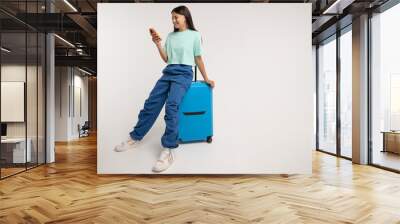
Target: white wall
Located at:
point(260, 57)
point(80, 83)
point(67, 80)
point(61, 103)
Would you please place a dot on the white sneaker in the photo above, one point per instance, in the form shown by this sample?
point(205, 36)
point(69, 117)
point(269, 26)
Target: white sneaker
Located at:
point(127, 144)
point(164, 161)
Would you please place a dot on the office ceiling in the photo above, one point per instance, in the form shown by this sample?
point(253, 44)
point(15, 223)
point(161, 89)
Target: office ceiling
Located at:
point(77, 22)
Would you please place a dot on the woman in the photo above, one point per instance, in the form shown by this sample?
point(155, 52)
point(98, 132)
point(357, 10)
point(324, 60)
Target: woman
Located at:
point(181, 51)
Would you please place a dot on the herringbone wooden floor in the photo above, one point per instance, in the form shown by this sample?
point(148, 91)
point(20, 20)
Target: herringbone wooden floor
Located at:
point(70, 191)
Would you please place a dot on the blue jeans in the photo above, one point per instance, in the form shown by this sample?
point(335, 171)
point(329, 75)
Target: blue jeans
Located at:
point(169, 89)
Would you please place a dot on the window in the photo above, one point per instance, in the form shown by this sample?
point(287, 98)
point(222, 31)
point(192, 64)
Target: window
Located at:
point(385, 89)
point(346, 93)
point(327, 96)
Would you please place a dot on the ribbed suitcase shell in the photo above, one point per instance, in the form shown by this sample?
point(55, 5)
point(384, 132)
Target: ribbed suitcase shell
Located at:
point(195, 114)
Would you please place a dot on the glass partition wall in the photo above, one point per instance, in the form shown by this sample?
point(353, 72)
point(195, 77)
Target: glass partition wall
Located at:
point(22, 77)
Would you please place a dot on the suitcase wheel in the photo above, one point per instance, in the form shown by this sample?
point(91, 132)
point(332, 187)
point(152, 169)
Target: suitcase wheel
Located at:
point(209, 139)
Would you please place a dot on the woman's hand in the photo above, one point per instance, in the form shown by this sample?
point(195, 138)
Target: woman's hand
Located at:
point(155, 36)
point(210, 82)
point(157, 40)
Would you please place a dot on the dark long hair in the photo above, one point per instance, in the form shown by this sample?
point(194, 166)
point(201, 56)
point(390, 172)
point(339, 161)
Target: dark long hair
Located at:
point(183, 10)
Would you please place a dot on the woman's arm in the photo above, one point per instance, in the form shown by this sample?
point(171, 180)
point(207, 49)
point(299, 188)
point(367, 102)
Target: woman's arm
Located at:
point(156, 38)
point(163, 54)
point(200, 65)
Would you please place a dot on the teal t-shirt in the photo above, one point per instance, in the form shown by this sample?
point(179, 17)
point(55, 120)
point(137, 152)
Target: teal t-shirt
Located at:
point(183, 46)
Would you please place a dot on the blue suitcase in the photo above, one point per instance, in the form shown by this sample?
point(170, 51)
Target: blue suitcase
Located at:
point(195, 113)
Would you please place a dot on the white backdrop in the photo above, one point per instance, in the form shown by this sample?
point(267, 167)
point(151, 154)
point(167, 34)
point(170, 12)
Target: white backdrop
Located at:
point(260, 58)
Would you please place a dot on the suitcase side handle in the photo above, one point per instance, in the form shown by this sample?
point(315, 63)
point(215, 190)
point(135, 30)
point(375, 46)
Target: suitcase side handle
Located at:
point(194, 113)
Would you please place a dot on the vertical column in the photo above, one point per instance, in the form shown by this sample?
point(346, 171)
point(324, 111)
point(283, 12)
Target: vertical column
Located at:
point(50, 92)
point(338, 98)
point(360, 90)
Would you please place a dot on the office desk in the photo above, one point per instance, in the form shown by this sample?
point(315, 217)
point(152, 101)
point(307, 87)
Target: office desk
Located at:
point(391, 141)
point(15, 148)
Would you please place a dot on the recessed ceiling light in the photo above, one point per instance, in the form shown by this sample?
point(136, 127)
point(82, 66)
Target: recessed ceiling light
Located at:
point(70, 5)
point(64, 40)
point(84, 71)
point(338, 6)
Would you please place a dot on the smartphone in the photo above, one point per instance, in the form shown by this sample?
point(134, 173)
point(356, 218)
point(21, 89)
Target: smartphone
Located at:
point(152, 31)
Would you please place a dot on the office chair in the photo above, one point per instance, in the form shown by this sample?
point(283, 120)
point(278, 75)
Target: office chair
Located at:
point(84, 130)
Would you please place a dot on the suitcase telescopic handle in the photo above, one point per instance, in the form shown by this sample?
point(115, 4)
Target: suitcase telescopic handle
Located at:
point(195, 73)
